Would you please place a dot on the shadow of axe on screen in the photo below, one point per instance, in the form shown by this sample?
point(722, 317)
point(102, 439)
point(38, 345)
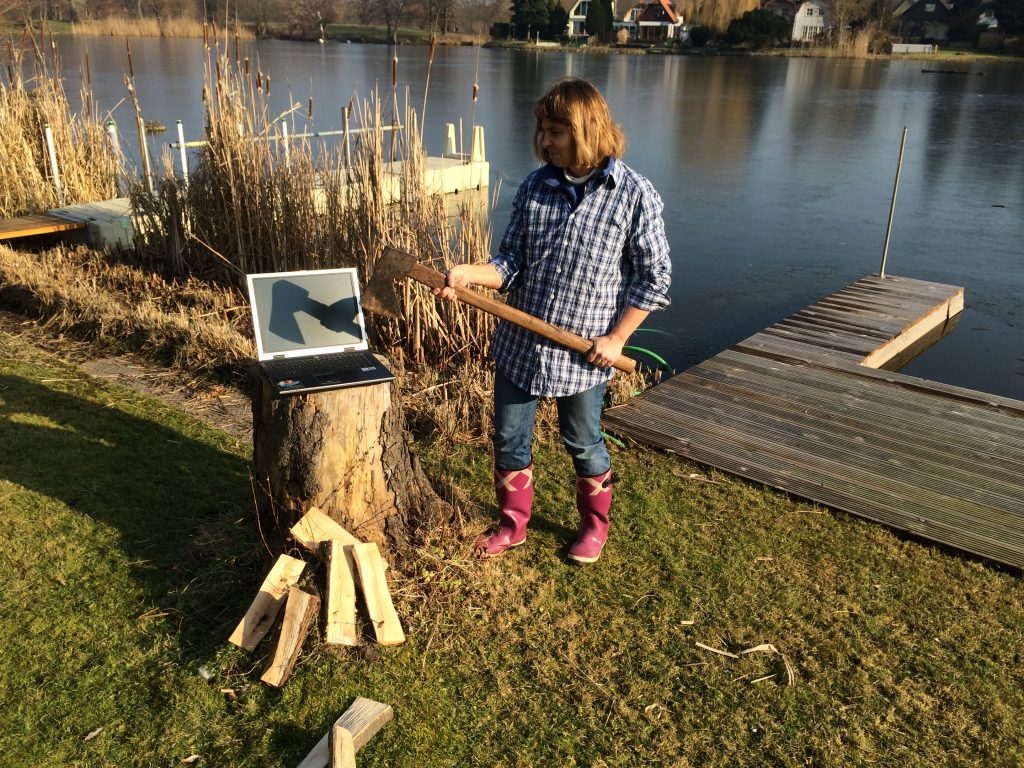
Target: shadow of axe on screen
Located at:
point(381, 298)
point(288, 299)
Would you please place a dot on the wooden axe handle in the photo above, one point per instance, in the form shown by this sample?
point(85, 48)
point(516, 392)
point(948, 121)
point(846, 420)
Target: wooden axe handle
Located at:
point(434, 279)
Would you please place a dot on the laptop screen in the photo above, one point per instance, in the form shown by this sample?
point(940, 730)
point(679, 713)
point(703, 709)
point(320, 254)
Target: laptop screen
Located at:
point(303, 313)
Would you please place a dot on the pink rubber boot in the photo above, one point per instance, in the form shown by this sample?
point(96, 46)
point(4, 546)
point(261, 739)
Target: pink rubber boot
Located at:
point(593, 500)
point(514, 488)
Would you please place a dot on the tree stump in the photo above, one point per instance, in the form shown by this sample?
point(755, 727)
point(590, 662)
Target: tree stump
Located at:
point(346, 451)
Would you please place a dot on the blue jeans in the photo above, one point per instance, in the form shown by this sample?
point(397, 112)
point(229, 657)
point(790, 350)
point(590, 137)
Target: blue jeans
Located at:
point(579, 422)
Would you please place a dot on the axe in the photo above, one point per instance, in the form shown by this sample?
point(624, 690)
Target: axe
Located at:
point(380, 297)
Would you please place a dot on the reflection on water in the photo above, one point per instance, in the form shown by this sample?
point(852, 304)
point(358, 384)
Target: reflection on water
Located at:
point(776, 173)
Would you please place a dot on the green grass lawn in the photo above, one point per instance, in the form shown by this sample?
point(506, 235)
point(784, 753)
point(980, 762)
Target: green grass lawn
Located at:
point(130, 552)
point(369, 33)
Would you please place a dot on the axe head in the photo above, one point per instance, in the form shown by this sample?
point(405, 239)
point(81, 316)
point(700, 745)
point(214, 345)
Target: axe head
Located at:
point(380, 296)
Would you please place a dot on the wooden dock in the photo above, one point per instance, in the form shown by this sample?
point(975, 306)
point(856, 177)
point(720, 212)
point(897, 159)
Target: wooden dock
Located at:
point(38, 224)
point(803, 407)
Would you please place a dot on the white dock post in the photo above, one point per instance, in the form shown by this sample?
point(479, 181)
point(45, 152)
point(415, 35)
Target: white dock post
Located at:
point(449, 143)
point(181, 149)
point(478, 154)
point(347, 139)
point(54, 171)
point(112, 133)
point(115, 146)
point(284, 135)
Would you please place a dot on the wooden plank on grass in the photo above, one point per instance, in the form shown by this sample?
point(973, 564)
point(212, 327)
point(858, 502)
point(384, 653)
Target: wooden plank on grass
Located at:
point(341, 596)
point(299, 616)
point(363, 719)
point(264, 609)
point(343, 749)
point(315, 527)
point(378, 599)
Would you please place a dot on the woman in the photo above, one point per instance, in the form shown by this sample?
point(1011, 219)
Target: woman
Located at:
point(585, 250)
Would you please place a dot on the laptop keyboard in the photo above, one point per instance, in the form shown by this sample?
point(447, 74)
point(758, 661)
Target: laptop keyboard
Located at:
point(345, 361)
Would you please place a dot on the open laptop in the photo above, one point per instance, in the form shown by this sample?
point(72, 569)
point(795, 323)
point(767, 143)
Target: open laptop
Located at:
point(310, 333)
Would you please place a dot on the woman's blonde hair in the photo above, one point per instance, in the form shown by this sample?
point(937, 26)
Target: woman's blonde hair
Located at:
point(576, 103)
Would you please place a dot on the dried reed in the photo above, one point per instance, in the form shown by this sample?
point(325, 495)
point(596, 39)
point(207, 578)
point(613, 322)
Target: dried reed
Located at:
point(170, 26)
point(186, 323)
point(31, 98)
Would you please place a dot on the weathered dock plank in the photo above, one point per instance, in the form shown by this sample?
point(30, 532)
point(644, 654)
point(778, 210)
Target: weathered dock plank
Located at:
point(796, 407)
point(38, 224)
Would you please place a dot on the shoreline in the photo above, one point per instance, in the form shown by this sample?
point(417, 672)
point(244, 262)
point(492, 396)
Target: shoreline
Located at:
point(375, 35)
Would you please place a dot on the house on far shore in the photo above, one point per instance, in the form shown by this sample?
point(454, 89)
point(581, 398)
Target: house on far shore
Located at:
point(923, 19)
point(810, 18)
point(578, 19)
point(652, 22)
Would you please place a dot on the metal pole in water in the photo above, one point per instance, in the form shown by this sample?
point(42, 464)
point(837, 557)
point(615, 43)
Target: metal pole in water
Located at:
point(54, 170)
point(284, 137)
point(181, 149)
point(892, 205)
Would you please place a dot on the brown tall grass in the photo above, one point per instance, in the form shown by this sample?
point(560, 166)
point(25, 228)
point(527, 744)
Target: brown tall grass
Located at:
point(31, 98)
point(848, 45)
point(187, 323)
point(170, 26)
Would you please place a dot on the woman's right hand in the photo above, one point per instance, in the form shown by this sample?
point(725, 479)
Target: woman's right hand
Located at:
point(457, 276)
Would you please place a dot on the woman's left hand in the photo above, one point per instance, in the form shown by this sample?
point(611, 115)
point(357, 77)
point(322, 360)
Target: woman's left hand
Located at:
point(606, 350)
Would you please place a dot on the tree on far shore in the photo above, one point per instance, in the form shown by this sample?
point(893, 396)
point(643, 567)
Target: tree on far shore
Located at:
point(529, 16)
point(1011, 16)
point(846, 13)
point(558, 21)
point(599, 19)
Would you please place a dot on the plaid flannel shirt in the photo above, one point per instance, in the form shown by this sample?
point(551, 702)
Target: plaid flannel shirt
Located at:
point(577, 268)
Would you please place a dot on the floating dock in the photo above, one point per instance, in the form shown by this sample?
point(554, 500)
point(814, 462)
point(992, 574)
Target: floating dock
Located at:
point(37, 224)
point(803, 406)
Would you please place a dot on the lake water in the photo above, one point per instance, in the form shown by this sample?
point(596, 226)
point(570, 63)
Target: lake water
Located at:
point(776, 173)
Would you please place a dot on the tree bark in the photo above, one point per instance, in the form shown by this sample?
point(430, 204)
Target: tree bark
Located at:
point(346, 451)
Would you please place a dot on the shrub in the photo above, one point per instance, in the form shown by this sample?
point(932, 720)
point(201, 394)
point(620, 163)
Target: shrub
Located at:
point(760, 28)
point(700, 36)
